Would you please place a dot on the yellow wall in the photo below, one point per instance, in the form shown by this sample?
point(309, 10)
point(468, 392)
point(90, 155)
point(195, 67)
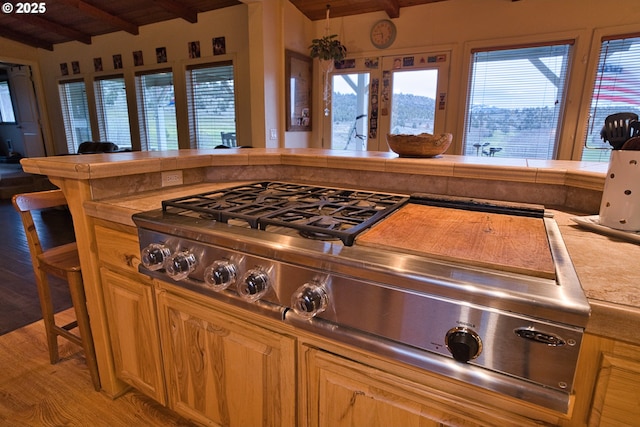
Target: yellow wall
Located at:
point(175, 35)
point(460, 25)
point(257, 33)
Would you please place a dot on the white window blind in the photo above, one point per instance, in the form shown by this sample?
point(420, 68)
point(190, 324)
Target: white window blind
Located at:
point(75, 113)
point(113, 113)
point(515, 101)
point(157, 111)
point(6, 106)
point(212, 107)
point(616, 90)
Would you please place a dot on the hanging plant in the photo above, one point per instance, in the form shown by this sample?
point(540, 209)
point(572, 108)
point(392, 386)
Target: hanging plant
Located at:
point(328, 48)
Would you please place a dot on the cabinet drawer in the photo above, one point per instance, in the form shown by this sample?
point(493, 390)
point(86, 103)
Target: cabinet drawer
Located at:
point(118, 248)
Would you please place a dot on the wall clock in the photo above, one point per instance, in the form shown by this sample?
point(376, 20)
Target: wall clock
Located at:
point(383, 34)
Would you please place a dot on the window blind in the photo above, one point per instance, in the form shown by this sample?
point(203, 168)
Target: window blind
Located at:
point(157, 110)
point(616, 89)
point(515, 101)
point(211, 100)
point(113, 113)
point(75, 113)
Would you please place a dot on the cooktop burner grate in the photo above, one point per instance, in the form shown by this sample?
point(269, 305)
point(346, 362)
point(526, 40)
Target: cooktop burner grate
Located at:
point(317, 212)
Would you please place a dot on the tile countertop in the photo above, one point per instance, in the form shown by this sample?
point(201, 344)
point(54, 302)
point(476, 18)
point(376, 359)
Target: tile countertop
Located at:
point(588, 175)
point(604, 266)
point(606, 272)
point(609, 272)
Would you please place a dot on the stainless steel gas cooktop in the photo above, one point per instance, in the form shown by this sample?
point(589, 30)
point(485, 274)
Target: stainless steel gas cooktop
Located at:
point(291, 251)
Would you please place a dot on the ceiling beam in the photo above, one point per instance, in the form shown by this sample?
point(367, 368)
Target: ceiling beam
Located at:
point(25, 39)
point(391, 7)
point(45, 24)
point(102, 15)
point(178, 9)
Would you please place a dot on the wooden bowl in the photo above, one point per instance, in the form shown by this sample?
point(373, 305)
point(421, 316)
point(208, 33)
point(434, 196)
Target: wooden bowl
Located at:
point(423, 145)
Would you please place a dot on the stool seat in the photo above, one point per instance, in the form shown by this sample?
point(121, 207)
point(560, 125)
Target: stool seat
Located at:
point(64, 262)
point(60, 260)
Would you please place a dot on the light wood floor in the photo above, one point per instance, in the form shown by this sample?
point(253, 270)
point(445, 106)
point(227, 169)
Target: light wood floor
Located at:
point(35, 393)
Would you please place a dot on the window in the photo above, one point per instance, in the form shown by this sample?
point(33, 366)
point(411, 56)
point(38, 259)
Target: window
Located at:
point(413, 101)
point(75, 113)
point(212, 107)
point(515, 101)
point(113, 113)
point(374, 96)
point(350, 100)
point(157, 111)
point(616, 89)
point(6, 106)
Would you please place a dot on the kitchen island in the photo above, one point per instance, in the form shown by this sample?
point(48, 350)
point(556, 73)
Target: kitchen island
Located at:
point(105, 190)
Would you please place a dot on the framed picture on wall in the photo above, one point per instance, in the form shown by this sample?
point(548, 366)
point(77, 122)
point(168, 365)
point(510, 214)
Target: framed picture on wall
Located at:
point(219, 46)
point(137, 58)
point(161, 55)
point(117, 62)
point(298, 73)
point(194, 49)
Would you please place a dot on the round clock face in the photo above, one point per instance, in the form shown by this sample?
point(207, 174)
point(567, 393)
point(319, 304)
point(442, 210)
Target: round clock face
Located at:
point(383, 33)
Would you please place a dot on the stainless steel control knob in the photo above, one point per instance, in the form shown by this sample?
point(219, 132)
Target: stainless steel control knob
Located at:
point(220, 275)
point(463, 343)
point(254, 284)
point(310, 300)
point(154, 256)
point(180, 265)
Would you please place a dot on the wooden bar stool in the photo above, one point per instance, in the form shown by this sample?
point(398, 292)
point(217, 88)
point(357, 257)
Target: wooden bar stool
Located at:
point(63, 262)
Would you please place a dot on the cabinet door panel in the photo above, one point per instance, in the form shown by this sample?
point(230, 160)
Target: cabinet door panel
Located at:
point(223, 370)
point(134, 335)
point(616, 401)
point(118, 249)
point(343, 393)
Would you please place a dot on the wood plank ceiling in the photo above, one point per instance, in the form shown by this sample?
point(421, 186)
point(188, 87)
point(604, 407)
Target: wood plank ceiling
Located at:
point(68, 20)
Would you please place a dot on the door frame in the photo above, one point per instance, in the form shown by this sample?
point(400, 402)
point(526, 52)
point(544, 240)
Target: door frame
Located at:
point(381, 69)
point(36, 77)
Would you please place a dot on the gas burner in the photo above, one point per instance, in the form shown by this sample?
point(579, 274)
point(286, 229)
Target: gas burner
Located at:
point(325, 221)
point(314, 235)
point(343, 213)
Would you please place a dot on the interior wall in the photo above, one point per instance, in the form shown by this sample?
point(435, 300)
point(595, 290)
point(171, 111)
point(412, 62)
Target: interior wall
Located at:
point(174, 35)
point(457, 25)
point(460, 25)
point(298, 33)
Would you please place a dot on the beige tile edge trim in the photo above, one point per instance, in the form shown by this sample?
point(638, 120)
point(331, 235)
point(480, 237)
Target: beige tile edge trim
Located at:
point(515, 170)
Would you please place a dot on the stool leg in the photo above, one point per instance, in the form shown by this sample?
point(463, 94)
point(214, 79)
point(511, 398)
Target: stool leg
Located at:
point(80, 305)
point(46, 305)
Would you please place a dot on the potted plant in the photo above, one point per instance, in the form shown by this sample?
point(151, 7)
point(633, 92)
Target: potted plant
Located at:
point(328, 50)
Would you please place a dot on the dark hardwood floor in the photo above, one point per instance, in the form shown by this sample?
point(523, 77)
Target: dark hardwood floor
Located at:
point(19, 304)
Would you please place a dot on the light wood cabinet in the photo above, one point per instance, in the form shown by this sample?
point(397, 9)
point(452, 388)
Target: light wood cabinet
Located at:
point(222, 370)
point(212, 364)
point(118, 247)
point(614, 370)
point(341, 392)
point(133, 330)
point(130, 310)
